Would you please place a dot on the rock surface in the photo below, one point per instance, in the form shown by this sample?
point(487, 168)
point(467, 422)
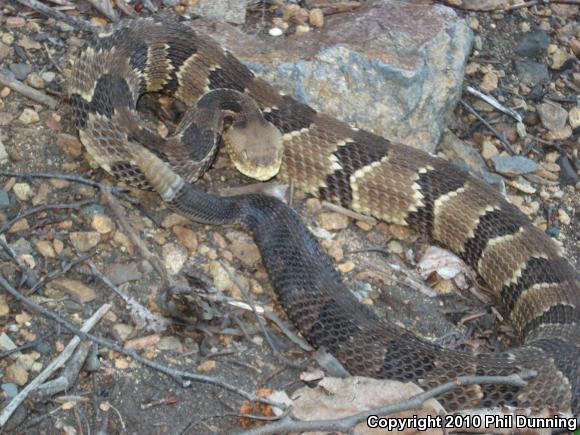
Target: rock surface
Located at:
point(229, 11)
point(400, 83)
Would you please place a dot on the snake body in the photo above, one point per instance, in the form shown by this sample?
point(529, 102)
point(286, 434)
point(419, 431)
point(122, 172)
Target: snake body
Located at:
point(535, 286)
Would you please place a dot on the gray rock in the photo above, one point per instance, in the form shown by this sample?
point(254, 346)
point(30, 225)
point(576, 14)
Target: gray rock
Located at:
point(3, 154)
point(48, 76)
point(513, 165)
point(569, 176)
point(43, 347)
point(21, 246)
point(20, 70)
point(460, 152)
point(93, 209)
point(10, 389)
point(385, 67)
point(533, 44)
point(120, 273)
point(552, 115)
point(4, 199)
point(229, 11)
point(4, 51)
point(532, 73)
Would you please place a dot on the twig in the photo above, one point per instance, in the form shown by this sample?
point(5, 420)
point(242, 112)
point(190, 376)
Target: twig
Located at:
point(68, 177)
point(41, 208)
point(53, 366)
point(52, 13)
point(69, 375)
point(25, 346)
point(126, 9)
point(494, 103)
point(500, 136)
point(537, 2)
point(522, 5)
point(265, 333)
point(291, 424)
point(28, 91)
point(150, 6)
point(106, 8)
point(28, 275)
point(349, 213)
point(55, 274)
point(143, 318)
point(119, 213)
point(299, 341)
point(177, 375)
point(50, 58)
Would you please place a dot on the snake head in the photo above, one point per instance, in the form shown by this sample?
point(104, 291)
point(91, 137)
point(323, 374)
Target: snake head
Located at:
point(255, 148)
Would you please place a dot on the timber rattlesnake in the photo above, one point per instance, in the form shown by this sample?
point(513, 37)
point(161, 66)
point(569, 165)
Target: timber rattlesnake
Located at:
point(534, 285)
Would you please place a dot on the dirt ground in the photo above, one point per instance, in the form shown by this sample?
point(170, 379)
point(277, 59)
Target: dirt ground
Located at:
point(218, 339)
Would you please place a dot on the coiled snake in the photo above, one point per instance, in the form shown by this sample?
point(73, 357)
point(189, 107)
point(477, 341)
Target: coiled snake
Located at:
point(266, 132)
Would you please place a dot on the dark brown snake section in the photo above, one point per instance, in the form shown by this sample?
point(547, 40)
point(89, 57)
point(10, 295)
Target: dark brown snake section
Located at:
point(535, 286)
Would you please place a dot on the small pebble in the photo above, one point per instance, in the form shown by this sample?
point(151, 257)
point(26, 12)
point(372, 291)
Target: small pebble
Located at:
point(513, 165)
point(48, 76)
point(45, 248)
point(489, 82)
point(563, 216)
point(333, 221)
point(84, 240)
point(552, 115)
point(4, 51)
point(20, 70)
point(346, 267)
point(102, 223)
point(22, 191)
point(4, 199)
point(29, 116)
point(559, 57)
point(10, 389)
point(574, 117)
point(122, 331)
point(174, 257)
point(316, 17)
point(171, 344)
point(303, 28)
point(275, 31)
point(16, 374)
point(74, 288)
point(35, 80)
point(488, 150)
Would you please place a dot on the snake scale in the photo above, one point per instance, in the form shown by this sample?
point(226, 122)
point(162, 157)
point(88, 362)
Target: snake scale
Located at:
point(534, 285)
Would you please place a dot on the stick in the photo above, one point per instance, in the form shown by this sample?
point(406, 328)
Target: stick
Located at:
point(27, 91)
point(69, 375)
point(494, 103)
point(52, 13)
point(121, 216)
point(68, 177)
point(106, 8)
point(143, 318)
point(53, 366)
point(177, 375)
point(28, 275)
point(349, 213)
point(497, 134)
point(41, 208)
point(289, 424)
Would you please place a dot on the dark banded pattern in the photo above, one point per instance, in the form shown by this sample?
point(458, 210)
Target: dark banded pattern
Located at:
point(535, 287)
